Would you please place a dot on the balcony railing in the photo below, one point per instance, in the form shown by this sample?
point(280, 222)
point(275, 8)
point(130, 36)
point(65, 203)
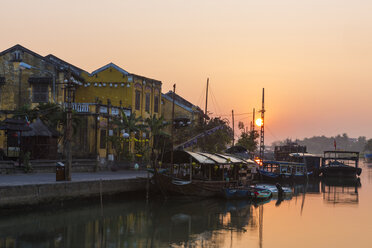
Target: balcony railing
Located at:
point(80, 107)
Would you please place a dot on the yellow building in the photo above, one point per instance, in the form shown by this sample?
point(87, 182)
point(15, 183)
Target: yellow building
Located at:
point(98, 97)
point(106, 92)
point(27, 78)
point(185, 113)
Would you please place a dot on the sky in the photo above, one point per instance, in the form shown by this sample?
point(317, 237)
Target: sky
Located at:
point(312, 57)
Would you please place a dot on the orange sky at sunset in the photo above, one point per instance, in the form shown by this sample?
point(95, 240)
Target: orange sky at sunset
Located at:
point(313, 57)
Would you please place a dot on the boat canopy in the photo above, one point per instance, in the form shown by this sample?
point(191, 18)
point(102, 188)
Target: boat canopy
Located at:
point(298, 154)
point(185, 157)
point(232, 159)
point(217, 159)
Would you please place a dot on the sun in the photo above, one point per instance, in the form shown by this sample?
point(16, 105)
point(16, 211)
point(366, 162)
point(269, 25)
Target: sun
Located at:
point(259, 122)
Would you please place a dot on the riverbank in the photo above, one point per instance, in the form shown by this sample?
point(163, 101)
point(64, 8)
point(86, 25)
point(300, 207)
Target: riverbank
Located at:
point(18, 190)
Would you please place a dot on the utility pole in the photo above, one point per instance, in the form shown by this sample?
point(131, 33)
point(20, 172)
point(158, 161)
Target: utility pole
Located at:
point(233, 127)
point(206, 103)
point(254, 117)
point(20, 88)
point(262, 139)
point(68, 131)
point(172, 126)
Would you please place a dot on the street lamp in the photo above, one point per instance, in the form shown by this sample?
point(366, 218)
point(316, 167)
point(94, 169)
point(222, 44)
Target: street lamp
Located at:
point(24, 65)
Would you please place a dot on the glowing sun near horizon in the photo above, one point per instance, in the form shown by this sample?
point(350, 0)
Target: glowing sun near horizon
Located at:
point(259, 122)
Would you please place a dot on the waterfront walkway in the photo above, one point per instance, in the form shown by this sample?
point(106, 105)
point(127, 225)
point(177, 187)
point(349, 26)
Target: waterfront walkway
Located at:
point(50, 178)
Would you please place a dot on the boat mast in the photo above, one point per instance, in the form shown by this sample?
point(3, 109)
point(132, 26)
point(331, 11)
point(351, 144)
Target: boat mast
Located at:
point(206, 103)
point(262, 137)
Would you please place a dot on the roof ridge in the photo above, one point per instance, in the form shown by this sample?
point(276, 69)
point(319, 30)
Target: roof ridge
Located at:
point(108, 66)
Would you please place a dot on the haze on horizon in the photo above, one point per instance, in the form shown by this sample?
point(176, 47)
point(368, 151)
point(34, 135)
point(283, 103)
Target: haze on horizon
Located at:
point(312, 57)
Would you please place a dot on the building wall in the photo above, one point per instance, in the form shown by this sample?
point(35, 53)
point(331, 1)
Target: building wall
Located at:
point(14, 76)
point(179, 112)
point(17, 84)
point(112, 88)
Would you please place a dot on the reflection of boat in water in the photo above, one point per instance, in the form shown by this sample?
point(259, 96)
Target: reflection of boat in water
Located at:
point(283, 171)
point(340, 164)
point(340, 190)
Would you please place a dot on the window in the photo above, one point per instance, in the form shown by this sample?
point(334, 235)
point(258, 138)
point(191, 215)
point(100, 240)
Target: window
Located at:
point(40, 93)
point(138, 100)
point(115, 111)
point(156, 104)
point(147, 103)
point(102, 140)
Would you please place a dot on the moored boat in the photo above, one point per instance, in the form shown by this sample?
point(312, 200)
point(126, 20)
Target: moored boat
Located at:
point(201, 174)
point(340, 164)
point(247, 193)
point(276, 190)
point(368, 157)
point(283, 171)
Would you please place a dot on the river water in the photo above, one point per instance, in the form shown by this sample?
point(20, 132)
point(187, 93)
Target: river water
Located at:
point(320, 214)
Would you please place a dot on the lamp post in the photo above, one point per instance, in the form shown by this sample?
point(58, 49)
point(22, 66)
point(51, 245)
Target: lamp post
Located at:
point(24, 65)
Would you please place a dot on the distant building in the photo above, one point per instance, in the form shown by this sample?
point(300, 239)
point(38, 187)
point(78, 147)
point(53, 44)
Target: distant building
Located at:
point(281, 153)
point(185, 113)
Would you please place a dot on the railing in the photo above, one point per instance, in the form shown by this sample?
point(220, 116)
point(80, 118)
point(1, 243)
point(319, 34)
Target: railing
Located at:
point(85, 108)
point(80, 107)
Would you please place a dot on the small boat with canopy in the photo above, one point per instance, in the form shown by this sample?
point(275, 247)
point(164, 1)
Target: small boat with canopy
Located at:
point(202, 174)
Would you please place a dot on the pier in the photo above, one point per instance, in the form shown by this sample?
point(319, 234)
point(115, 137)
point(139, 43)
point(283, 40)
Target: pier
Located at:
point(17, 190)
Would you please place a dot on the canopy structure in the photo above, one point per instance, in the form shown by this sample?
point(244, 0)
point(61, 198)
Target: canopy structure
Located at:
point(297, 154)
point(14, 125)
point(38, 128)
point(185, 157)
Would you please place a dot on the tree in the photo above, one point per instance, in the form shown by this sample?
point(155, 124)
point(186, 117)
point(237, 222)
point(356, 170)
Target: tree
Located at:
point(155, 127)
point(368, 146)
point(248, 139)
point(129, 125)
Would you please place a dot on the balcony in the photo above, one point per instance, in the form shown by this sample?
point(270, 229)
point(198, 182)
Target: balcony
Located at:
point(81, 107)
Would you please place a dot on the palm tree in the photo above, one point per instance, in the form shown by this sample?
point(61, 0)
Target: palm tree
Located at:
point(155, 126)
point(131, 124)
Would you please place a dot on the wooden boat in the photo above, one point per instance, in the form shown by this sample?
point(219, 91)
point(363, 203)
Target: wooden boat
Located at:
point(203, 188)
point(247, 193)
point(283, 171)
point(286, 192)
point(200, 174)
point(340, 164)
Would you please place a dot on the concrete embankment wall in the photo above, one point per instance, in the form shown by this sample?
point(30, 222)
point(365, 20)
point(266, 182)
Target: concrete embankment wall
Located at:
point(36, 194)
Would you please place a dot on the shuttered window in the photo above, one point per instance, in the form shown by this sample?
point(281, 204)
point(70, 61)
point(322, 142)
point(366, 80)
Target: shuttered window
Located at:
point(138, 100)
point(147, 103)
point(40, 93)
point(156, 104)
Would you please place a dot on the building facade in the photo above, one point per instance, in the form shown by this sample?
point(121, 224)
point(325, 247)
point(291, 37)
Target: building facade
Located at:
point(98, 98)
point(185, 113)
point(28, 79)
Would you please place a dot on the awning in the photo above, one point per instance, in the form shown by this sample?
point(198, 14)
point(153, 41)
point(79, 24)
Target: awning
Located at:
point(232, 159)
point(217, 159)
point(200, 158)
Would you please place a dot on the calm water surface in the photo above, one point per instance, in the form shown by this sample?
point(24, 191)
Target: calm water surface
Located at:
point(320, 214)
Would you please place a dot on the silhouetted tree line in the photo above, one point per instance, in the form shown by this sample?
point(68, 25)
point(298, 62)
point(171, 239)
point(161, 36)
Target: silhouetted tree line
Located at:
point(319, 144)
